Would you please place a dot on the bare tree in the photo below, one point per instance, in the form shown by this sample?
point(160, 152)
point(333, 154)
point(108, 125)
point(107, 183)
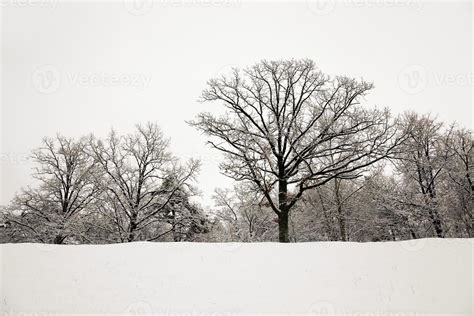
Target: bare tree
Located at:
point(423, 160)
point(290, 128)
point(460, 177)
point(339, 210)
point(242, 213)
point(138, 168)
point(51, 212)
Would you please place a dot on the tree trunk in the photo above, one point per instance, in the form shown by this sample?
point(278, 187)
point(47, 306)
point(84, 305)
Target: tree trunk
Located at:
point(283, 226)
point(341, 217)
point(468, 222)
point(284, 211)
point(342, 224)
point(58, 240)
point(435, 218)
point(328, 221)
point(131, 229)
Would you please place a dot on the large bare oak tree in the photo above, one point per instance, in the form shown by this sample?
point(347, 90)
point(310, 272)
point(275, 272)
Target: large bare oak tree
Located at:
point(289, 128)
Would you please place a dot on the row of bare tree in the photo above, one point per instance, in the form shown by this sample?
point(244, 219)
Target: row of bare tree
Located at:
point(121, 189)
point(424, 190)
point(311, 163)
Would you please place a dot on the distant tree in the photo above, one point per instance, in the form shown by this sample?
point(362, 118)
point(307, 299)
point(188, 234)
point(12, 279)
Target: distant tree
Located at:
point(185, 220)
point(389, 211)
point(338, 199)
point(315, 217)
point(342, 209)
point(52, 211)
point(289, 128)
point(460, 178)
point(5, 225)
point(142, 181)
point(423, 161)
point(243, 213)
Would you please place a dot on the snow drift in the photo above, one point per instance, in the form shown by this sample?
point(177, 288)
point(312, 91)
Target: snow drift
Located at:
point(419, 277)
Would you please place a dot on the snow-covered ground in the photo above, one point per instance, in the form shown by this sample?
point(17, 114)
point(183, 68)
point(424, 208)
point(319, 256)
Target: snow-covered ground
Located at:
point(419, 277)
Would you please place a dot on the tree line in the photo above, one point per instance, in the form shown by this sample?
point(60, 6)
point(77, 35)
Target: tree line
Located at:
point(309, 161)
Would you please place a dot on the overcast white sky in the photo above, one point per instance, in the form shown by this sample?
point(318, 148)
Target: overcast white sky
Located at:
point(60, 60)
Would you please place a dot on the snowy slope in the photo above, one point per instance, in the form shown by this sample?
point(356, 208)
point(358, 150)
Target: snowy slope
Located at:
point(402, 278)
